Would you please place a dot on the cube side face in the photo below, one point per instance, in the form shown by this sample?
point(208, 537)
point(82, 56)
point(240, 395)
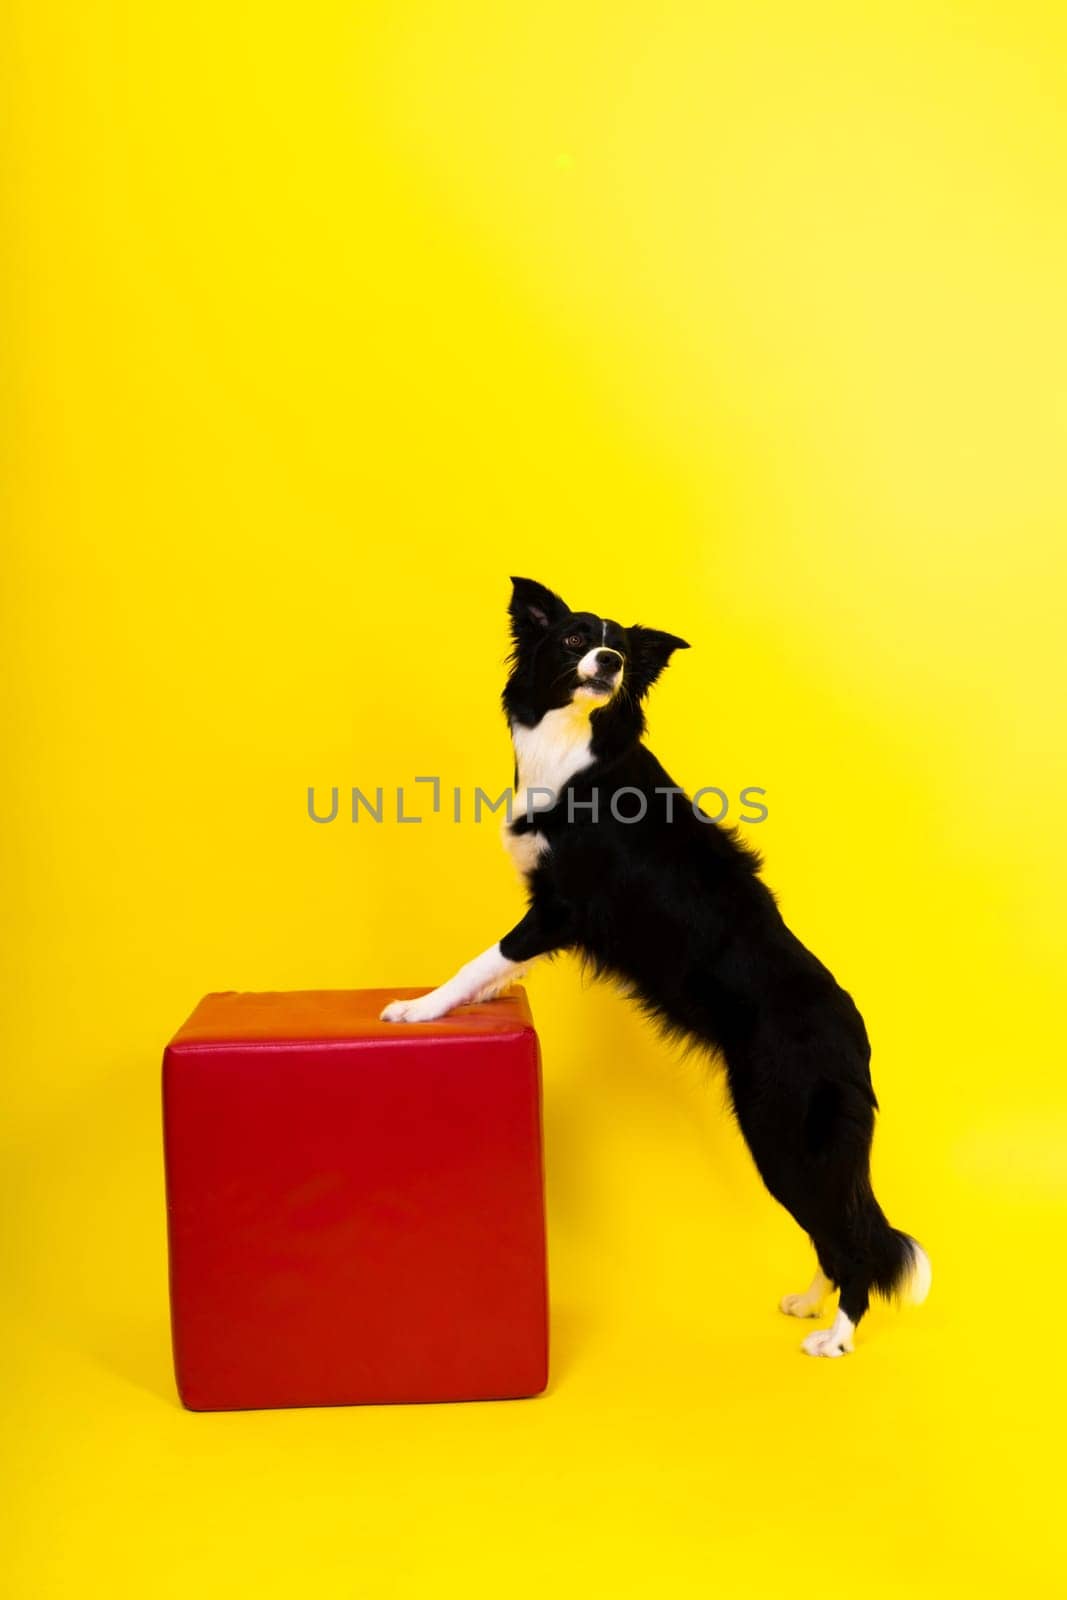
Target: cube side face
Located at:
point(356, 1221)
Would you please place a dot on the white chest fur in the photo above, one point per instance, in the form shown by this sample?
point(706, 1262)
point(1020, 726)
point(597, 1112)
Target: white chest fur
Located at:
point(546, 757)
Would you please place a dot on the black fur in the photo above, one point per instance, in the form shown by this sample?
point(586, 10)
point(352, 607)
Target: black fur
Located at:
point(676, 908)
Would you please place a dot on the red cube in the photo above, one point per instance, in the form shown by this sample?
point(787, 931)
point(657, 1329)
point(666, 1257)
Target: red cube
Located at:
point(355, 1208)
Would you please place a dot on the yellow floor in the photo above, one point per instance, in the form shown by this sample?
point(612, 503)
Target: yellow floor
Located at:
point(685, 1445)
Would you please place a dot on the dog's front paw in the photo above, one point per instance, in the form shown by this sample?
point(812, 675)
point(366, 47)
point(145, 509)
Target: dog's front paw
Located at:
point(424, 1009)
point(395, 1011)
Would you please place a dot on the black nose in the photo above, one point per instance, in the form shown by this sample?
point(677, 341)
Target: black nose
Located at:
point(609, 661)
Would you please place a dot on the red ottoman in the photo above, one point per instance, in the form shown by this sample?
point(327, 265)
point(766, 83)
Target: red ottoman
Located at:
point(355, 1208)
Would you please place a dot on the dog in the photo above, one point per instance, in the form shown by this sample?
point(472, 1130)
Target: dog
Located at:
point(621, 868)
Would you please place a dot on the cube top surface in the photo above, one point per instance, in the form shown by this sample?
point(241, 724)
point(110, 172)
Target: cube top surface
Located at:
point(321, 1015)
point(355, 1208)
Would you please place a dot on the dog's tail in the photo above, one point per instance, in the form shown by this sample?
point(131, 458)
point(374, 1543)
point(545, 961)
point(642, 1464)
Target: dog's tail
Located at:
point(901, 1266)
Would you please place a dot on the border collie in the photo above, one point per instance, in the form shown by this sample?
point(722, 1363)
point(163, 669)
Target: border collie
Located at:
point(621, 868)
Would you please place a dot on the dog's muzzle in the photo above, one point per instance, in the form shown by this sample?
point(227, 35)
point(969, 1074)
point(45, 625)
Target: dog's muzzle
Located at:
point(599, 672)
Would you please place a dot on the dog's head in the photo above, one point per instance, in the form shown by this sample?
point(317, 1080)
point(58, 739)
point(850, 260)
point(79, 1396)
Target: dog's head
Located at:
point(563, 657)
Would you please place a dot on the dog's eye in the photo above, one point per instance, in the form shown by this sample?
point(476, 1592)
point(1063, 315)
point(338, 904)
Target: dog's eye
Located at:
point(573, 640)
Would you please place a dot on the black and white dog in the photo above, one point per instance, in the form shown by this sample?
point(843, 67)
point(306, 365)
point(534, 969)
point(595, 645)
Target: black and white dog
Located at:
point(623, 870)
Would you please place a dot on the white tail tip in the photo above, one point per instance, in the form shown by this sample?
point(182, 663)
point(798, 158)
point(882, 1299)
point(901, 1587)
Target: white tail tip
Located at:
point(917, 1284)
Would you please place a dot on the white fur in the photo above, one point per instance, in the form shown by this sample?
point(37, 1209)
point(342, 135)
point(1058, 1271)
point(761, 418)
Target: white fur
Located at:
point(836, 1340)
point(810, 1303)
point(917, 1285)
point(480, 979)
point(550, 754)
point(546, 757)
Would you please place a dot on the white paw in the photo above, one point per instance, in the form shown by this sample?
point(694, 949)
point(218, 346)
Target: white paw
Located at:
point(828, 1342)
point(801, 1305)
point(422, 1010)
point(810, 1303)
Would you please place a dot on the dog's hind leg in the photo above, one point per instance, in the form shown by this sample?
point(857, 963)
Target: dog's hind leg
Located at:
point(811, 1301)
point(810, 1141)
point(865, 1257)
point(850, 1274)
point(836, 1340)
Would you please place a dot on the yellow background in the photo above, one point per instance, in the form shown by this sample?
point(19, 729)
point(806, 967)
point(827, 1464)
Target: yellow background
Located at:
point(743, 321)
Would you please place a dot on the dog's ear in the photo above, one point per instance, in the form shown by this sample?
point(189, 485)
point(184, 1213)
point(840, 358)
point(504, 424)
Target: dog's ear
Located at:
point(650, 650)
point(533, 609)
